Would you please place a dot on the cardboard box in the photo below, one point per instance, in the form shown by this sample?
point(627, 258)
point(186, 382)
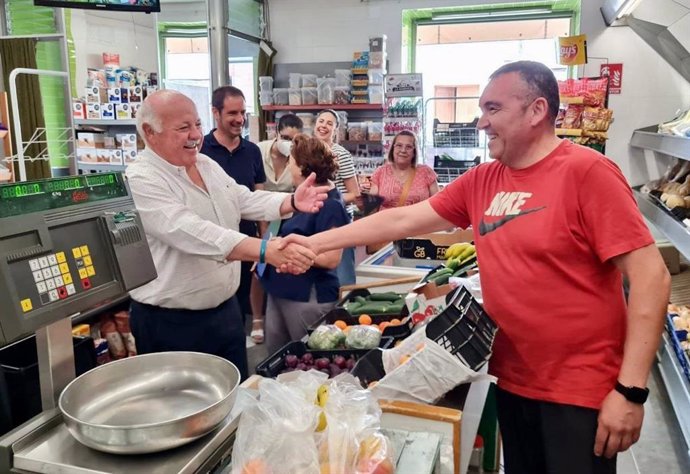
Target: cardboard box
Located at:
point(108, 111)
point(126, 140)
point(114, 95)
point(90, 140)
point(134, 107)
point(431, 246)
point(78, 110)
point(87, 155)
point(93, 111)
point(124, 95)
point(427, 300)
point(136, 94)
point(116, 157)
point(96, 95)
point(123, 112)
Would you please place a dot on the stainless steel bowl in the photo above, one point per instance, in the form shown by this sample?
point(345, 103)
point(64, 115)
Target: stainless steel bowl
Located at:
point(150, 402)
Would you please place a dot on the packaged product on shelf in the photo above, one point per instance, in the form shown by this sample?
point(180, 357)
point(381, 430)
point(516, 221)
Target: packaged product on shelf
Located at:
point(341, 133)
point(124, 94)
point(281, 96)
point(102, 352)
point(87, 155)
point(360, 99)
point(377, 43)
point(325, 88)
point(356, 131)
point(129, 156)
point(123, 112)
point(341, 95)
point(136, 94)
point(596, 119)
point(271, 131)
point(376, 76)
point(78, 110)
point(360, 91)
point(295, 96)
point(375, 131)
point(107, 111)
point(360, 62)
point(343, 77)
point(96, 95)
point(359, 80)
point(115, 343)
point(307, 118)
point(109, 142)
point(95, 78)
point(113, 95)
point(102, 155)
point(135, 108)
point(377, 59)
point(588, 91)
point(295, 80)
point(375, 94)
point(265, 84)
point(122, 325)
point(266, 97)
point(81, 330)
point(116, 157)
point(310, 96)
point(126, 140)
point(573, 116)
point(309, 80)
point(90, 139)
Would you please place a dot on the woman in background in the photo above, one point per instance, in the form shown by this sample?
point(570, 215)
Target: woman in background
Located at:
point(325, 129)
point(402, 181)
point(295, 302)
point(276, 158)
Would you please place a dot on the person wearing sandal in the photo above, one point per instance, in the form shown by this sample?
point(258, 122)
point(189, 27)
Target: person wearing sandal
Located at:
point(297, 301)
point(276, 157)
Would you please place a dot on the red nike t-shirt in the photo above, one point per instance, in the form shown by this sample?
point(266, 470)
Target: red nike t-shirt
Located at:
point(545, 236)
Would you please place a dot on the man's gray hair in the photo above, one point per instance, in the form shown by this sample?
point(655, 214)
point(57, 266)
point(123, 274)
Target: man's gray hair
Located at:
point(148, 113)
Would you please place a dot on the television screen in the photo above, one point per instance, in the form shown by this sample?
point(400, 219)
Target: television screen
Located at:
point(146, 6)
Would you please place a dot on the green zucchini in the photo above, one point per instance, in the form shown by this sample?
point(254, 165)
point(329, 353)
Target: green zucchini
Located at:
point(360, 299)
point(388, 296)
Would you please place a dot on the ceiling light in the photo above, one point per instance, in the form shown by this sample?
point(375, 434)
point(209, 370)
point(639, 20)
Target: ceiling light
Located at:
point(488, 15)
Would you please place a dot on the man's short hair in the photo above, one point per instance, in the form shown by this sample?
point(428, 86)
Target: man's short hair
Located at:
point(220, 94)
point(539, 79)
point(290, 120)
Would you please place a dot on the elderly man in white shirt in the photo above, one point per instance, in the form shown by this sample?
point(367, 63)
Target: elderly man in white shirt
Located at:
point(191, 211)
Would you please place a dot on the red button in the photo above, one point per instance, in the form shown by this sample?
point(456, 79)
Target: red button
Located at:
point(86, 284)
point(62, 292)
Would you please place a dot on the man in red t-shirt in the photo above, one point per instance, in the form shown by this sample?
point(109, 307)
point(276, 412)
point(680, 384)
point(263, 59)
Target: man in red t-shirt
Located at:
point(556, 229)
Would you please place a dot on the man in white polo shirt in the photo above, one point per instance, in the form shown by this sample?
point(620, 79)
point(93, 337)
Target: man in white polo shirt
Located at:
point(191, 211)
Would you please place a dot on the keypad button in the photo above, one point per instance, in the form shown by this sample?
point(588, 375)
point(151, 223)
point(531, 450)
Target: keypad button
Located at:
point(34, 265)
point(47, 273)
point(87, 260)
point(38, 276)
point(82, 273)
point(85, 283)
point(61, 257)
point(55, 271)
point(76, 252)
point(64, 268)
point(27, 305)
point(62, 292)
point(52, 259)
point(59, 281)
point(80, 263)
point(90, 271)
point(45, 298)
point(70, 289)
point(67, 278)
point(53, 295)
point(84, 250)
point(43, 262)
point(50, 284)
point(41, 287)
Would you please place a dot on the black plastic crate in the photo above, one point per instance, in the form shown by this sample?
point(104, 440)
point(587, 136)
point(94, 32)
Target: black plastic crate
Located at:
point(464, 329)
point(399, 331)
point(19, 363)
point(369, 368)
point(274, 365)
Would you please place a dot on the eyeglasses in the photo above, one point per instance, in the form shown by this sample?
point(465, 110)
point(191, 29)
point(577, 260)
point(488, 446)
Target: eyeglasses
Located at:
point(286, 137)
point(400, 146)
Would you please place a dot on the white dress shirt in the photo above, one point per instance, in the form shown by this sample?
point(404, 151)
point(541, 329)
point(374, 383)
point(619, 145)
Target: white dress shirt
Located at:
point(191, 231)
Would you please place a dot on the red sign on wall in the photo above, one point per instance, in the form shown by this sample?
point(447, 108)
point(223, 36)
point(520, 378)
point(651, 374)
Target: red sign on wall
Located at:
point(615, 74)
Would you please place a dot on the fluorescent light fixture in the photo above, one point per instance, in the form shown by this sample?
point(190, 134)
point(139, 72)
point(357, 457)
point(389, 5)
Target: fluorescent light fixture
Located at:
point(615, 10)
point(488, 15)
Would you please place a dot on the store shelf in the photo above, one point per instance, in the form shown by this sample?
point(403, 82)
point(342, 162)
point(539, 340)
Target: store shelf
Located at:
point(677, 386)
point(649, 139)
point(359, 142)
point(675, 231)
point(100, 166)
point(378, 107)
point(105, 123)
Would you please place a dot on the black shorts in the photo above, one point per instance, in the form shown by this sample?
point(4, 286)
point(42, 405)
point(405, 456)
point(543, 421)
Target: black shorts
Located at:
point(545, 437)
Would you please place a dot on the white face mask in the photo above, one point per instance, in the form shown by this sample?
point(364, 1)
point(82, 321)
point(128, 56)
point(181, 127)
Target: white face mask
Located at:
point(284, 147)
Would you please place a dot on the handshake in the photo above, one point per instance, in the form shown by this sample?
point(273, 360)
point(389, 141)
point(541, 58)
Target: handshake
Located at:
point(293, 254)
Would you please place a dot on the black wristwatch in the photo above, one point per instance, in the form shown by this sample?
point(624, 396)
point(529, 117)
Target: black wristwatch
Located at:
point(633, 394)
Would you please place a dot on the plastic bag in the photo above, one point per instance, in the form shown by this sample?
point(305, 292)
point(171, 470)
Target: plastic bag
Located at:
point(352, 442)
point(276, 436)
point(363, 337)
point(472, 283)
point(326, 337)
point(419, 370)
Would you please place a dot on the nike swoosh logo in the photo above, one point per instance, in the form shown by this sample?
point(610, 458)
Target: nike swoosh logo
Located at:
point(485, 228)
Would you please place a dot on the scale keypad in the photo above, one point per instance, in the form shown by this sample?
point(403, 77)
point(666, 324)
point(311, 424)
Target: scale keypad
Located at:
point(53, 279)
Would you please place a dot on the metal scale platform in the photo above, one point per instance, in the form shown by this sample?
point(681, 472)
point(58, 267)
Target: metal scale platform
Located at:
point(69, 245)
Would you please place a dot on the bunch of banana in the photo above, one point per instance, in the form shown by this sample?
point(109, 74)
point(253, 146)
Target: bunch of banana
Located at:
point(321, 399)
point(459, 253)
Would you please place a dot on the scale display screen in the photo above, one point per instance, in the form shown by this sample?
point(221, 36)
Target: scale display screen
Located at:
point(35, 196)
